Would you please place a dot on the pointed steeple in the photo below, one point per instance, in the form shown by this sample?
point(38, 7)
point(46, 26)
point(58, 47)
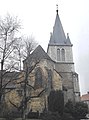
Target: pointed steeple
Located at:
point(68, 39)
point(58, 37)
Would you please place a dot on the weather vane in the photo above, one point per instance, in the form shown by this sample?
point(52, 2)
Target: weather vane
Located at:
point(57, 8)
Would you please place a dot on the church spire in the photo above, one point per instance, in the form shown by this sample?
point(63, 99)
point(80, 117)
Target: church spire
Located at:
point(58, 36)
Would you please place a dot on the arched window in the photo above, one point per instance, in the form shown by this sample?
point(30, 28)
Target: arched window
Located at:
point(63, 54)
point(58, 54)
point(38, 78)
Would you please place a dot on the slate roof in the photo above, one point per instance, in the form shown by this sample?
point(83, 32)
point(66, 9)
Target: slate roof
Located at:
point(39, 54)
point(58, 37)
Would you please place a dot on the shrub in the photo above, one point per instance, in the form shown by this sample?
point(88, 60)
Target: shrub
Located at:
point(78, 110)
point(69, 107)
point(56, 101)
point(67, 116)
point(51, 116)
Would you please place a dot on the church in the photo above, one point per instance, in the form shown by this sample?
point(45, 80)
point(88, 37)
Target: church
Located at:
point(54, 71)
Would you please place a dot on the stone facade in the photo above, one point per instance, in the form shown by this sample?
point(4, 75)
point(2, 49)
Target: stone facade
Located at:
point(43, 76)
point(52, 52)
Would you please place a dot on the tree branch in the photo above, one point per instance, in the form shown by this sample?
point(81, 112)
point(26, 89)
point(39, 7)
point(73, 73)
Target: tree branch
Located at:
point(14, 105)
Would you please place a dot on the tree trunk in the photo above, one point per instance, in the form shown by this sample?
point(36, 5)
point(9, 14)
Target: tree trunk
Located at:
point(24, 96)
point(1, 79)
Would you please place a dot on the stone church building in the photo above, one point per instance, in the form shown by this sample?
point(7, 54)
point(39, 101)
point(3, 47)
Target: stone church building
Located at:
point(54, 71)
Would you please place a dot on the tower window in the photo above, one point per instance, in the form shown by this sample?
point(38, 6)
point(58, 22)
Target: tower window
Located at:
point(63, 54)
point(58, 54)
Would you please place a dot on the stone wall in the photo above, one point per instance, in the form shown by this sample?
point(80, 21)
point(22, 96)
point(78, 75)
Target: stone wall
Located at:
point(67, 81)
point(64, 67)
point(44, 76)
point(52, 52)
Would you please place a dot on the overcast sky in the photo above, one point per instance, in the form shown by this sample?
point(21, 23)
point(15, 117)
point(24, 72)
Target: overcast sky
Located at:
point(38, 17)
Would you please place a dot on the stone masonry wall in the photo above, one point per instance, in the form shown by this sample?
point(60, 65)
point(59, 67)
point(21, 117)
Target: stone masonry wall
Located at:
point(64, 67)
point(52, 52)
point(67, 81)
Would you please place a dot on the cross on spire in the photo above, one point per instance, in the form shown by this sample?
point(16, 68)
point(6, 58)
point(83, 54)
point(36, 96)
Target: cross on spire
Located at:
point(57, 8)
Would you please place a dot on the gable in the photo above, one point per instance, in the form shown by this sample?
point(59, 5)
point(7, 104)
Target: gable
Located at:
point(38, 54)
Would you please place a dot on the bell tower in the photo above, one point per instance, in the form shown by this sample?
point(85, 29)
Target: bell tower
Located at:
point(60, 51)
point(59, 47)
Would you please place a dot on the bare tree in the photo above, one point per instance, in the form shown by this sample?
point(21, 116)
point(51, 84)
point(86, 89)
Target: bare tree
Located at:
point(9, 26)
point(23, 104)
point(13, 50)
point(30, 45)
point(23, 49)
